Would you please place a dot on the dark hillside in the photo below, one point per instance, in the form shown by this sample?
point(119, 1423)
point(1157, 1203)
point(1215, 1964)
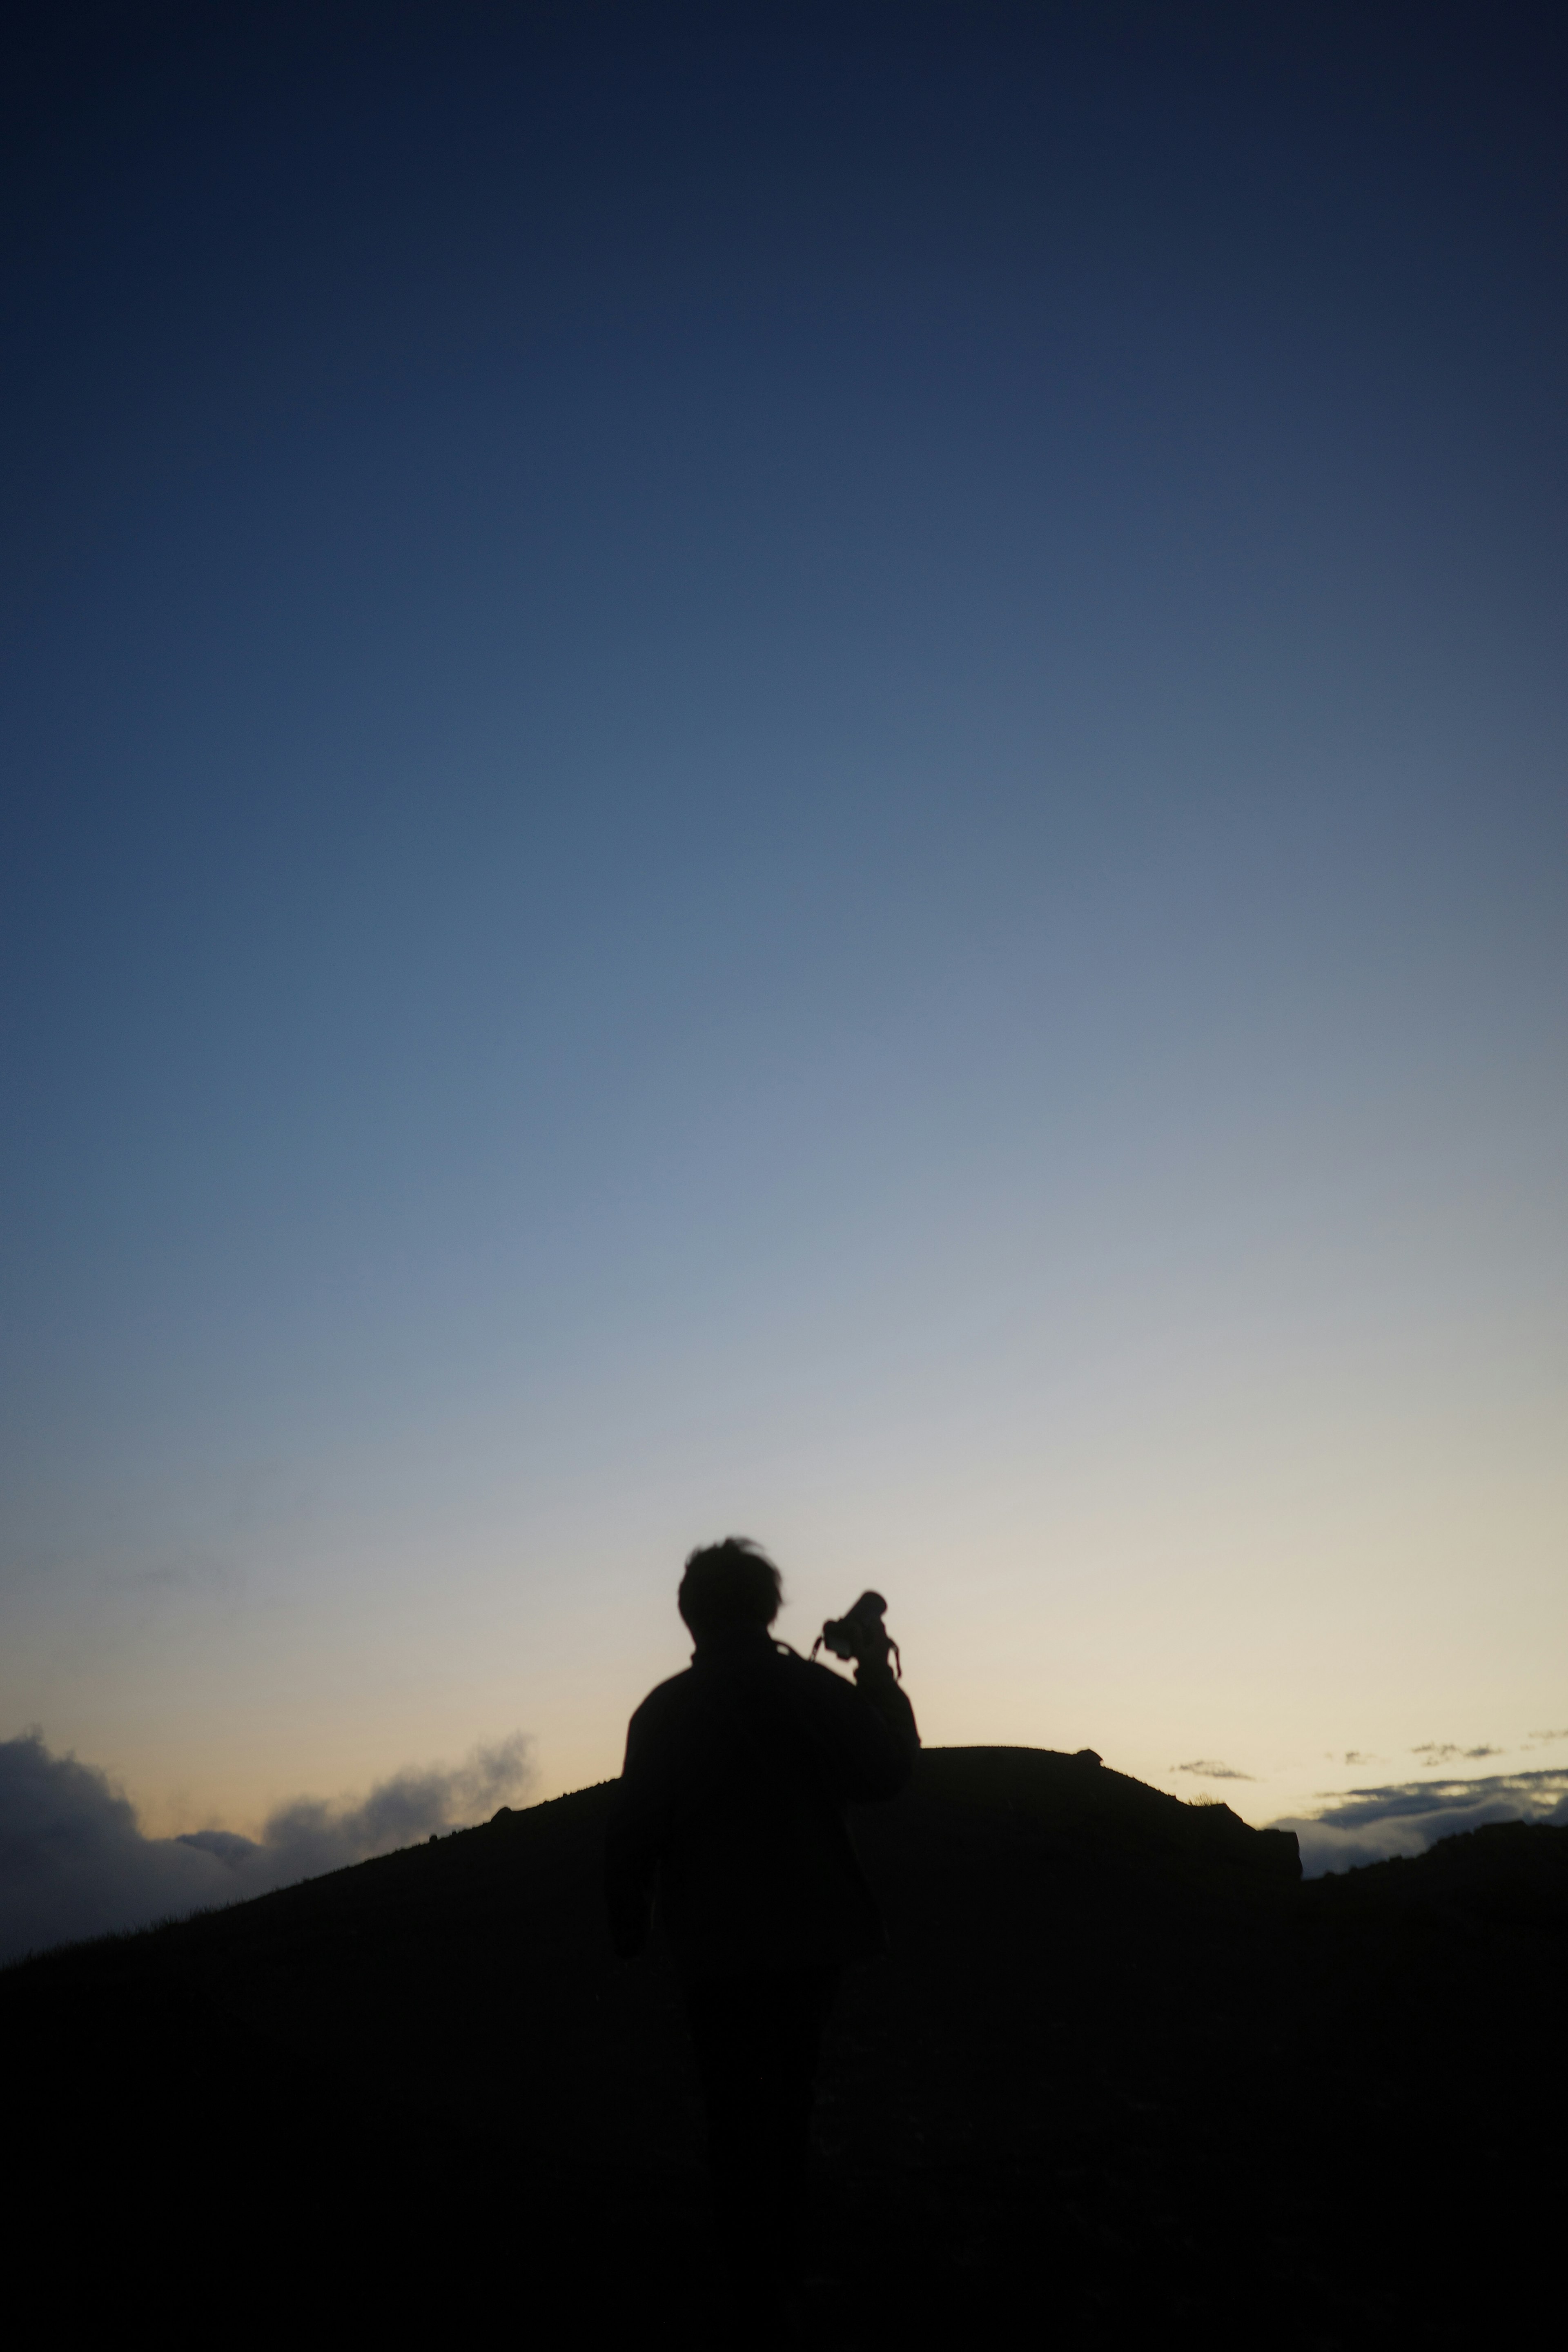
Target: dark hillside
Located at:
point(1121, 2062)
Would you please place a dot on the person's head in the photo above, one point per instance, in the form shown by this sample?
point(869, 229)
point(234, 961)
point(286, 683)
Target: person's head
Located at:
point(728, 1586)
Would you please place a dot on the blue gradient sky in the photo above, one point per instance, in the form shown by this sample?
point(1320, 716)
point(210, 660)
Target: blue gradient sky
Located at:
point(795, 770)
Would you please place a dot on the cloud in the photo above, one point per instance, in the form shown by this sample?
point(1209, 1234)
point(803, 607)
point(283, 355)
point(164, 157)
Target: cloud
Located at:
point(74, 1862)
point(307, 1837)
point(1443, 1751)
point(1373, 1824)
point(1207, 1771)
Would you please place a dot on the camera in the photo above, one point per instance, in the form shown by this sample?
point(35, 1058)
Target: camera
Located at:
point(859, 1633)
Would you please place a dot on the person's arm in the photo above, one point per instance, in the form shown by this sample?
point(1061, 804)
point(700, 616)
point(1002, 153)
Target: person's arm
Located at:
point(867, 1727)
point(878, 1690)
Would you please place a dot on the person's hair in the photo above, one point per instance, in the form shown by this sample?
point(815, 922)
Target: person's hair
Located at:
point(727, 1585)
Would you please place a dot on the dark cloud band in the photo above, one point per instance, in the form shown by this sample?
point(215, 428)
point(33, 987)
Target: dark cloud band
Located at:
point(1406, 1817)
point(74, 1863)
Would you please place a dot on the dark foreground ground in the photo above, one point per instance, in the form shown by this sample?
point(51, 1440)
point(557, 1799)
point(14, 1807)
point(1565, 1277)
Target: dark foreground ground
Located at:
point(1124, 2081)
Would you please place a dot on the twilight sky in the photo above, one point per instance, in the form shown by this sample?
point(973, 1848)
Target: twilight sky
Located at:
point(796, 770)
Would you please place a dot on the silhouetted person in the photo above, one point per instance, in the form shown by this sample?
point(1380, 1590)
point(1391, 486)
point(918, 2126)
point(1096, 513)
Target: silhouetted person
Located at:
point(729, 1830)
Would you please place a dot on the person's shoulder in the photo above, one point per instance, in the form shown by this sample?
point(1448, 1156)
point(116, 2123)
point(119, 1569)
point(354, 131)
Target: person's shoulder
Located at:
point(667, 1697)
point(814, 1681)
